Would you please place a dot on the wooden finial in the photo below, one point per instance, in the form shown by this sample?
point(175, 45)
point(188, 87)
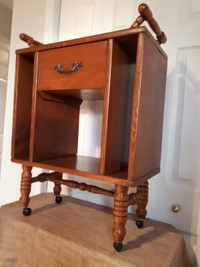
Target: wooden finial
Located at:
point(146, 14)
point(29, 40)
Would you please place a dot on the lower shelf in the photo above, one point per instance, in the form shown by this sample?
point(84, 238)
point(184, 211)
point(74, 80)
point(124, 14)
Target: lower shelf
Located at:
point(83, 166)
point(79, 163)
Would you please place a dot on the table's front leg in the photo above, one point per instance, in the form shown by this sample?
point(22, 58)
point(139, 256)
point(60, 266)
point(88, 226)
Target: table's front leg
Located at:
point(120, 215)
point(25, 189)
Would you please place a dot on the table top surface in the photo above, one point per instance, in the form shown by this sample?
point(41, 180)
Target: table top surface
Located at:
point(79, 233)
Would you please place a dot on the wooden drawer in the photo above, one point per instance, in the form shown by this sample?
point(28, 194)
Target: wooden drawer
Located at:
point(90, 76)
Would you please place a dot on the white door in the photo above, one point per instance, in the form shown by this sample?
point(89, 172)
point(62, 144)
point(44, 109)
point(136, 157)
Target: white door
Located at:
point(4, 52)
point(179, 180)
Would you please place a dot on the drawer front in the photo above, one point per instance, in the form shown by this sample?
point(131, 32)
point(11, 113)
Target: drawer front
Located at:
point(90, 75)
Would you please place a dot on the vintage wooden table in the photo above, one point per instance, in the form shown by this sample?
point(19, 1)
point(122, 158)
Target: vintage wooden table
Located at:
point(125, 69)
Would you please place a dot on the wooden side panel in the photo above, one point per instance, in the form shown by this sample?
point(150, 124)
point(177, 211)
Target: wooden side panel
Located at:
point(56, 129)
point(22, 107)
point(114, 105)
point(148, 107)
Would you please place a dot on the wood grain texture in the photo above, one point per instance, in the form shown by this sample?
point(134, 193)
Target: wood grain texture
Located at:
point(142, 201)
point(146, 14)
point(33, 106)
point(83, 166)
point(22, 107)
point(78, 233)
point(148, 108)
point(91, 75)
point(25, 186)
point(120, 212)
point(57, 186)
point(81, 186)
point(114, 110)
point(29, 40)
point(126, 37)
point(55, 131)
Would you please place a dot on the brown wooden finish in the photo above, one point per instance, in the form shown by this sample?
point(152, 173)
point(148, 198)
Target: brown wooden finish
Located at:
point(120, 212)
point(133, 198)
point(25, 186)
point(83, 187)
point(29, 40)
point(57, 179)
point(111, 144)
point(147, 15)
point(33, 106)
point(42, 177)
point(127, 38)
point(91, 75)
point(87, 171)
point(57, 186)
point(142, 190)
point(61, 165)
point(148, 106)
point(127, 70)
point(62, 99)
point(22, 108)
point(56, 125)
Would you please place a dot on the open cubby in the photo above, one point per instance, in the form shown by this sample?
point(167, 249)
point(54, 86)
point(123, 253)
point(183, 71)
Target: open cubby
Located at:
point(22, 107)
point(56, 122)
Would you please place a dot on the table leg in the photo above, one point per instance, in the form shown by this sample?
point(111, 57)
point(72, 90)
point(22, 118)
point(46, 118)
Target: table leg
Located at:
point(25, 189)
point(141, 211)
point(57, 190)
point(120, 215)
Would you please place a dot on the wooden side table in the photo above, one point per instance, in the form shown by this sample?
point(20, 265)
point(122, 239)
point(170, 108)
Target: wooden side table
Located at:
point(122, 68)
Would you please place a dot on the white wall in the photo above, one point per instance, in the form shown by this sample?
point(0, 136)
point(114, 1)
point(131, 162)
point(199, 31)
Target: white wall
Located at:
point(40, 20)
point(5, 29)
point(5, 21)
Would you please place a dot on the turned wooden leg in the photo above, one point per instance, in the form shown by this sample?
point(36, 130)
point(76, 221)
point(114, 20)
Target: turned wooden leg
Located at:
point(141, 211)
point(120, 215)
point(25, 189)
point(57, 190)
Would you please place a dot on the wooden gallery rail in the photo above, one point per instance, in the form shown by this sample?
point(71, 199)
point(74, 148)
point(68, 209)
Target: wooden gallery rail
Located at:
point(126, 70)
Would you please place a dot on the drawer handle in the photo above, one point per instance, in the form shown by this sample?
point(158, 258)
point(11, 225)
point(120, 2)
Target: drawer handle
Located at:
point(76, 65)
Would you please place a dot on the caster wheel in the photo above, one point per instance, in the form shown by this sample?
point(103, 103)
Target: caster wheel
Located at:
point(27, 211)
point(118, 246)
point(140, 224)
point(58, 199)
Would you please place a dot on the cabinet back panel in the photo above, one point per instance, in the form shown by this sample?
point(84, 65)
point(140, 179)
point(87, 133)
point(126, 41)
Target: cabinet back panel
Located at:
point(56, 129)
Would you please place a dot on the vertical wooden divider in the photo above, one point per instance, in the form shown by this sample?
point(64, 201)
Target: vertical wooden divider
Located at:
point(15, 107)
point(106, 105)
point(33, 106)
point(114, 108)
point(135, 109)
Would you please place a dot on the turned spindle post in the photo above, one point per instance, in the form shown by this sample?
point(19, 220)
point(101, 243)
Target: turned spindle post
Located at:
point(25, 189)
point(120, 215)
point(57, 188)
point(141, 211)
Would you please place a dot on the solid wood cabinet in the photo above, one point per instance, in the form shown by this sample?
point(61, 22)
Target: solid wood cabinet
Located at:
point(126, 70)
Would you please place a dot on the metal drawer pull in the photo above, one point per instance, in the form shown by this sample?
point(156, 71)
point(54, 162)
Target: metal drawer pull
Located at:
point(76, 65)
